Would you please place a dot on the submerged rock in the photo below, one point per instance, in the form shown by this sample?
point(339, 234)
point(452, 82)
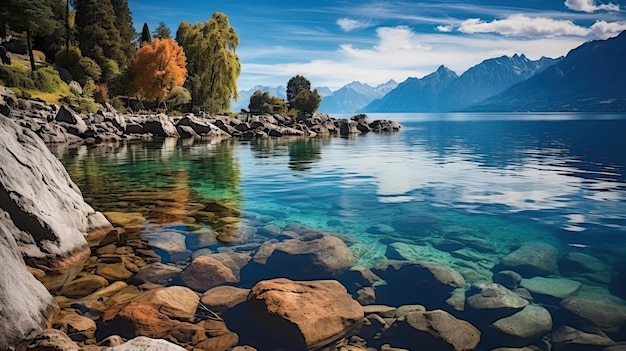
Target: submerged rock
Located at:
point(568, 338)
point(432, 330)
point(550, 289)
point(311, 256)
point(532, 259)
point(521, 328)
point(206, 272)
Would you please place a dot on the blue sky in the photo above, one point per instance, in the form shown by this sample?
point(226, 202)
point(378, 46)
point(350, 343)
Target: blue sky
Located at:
point(333, 43)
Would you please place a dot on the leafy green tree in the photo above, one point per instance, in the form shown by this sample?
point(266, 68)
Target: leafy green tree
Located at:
point(124, 24)
point(51, 40)
point(145, 34)
point(162, 31)
point(306, 101)
point(98, 36)
point(263, 102)
point(213, 64)
point(295, 85)
point(32, 17)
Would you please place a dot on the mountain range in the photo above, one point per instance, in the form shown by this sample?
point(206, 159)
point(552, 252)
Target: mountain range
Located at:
point(591, 77)
point(444, 91)
point(354, 96)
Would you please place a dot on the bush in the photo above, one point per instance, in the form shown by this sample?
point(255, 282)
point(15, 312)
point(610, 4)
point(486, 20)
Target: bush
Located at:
point(82, 104)
point(68, 58)
point(101, 93)
point(86, 69)
point(47, 79)
point(118, 104)
point(110, 70)
point(16, 77)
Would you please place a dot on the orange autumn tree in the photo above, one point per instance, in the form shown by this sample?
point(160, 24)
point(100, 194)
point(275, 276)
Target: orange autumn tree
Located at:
point(160, 66)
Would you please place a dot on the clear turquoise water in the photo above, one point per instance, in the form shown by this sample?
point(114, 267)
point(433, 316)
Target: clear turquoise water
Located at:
point(505, 178)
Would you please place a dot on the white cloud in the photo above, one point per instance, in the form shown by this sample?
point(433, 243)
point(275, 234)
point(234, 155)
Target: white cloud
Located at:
point(604, 30)
point(522, 25)
point(445, 29)
point(589, 6)
point(400, 53)
point(349, 25)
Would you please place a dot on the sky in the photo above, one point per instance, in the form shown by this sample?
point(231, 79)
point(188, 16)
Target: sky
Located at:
point(335, 42)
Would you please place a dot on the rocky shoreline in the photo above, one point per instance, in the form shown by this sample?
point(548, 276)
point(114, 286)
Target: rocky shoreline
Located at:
point(56, 124)
point(77, 279)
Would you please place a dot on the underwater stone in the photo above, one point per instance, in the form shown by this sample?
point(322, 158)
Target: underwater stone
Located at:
point(523, 327)
point(532, 259)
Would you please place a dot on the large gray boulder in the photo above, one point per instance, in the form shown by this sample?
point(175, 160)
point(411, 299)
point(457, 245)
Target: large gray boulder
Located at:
point(44, 204)
point(44, 222)
point(160, 125)
point(25, 301)
point(145, 343)
point(72, 121)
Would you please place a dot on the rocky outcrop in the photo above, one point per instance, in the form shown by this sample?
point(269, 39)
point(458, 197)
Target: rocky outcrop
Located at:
point(60, 124)
point(45, 223)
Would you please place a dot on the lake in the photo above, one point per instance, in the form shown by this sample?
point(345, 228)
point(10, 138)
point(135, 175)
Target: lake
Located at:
point(505, 179)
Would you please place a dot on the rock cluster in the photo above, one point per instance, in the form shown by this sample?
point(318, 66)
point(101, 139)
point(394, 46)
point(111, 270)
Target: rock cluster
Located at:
point(56, 124)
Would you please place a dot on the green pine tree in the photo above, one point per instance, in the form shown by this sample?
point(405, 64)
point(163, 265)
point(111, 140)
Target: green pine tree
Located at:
point(98, 36)
point(32, 17)
point(124, 24)
point(145, 34)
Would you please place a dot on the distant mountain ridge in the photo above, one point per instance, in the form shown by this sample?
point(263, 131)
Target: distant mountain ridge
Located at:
point(352, 97)
point(444, 91)
point(592, 77)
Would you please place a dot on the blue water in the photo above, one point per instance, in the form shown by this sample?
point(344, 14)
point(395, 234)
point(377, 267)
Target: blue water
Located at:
point(505, 178)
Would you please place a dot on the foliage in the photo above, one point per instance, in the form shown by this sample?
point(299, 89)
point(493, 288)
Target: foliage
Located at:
point(145, 34)
point(110, 70)
point(101, 93)
point(160, 66)
point(68, 58)
point(98, 36)
point(15, 77)
point(300, 97)
point(33, 17)
point(178, 96)
point(124, 24)
point(47, 79)
point(213, 64)
point(307, 101)
point(263, 102)
point(51, 40)
point(87, 69)
point(295, 85)
point(162, 31)
point(81, 68)
point(82, 104)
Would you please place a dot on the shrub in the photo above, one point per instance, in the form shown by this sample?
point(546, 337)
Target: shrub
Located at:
point(101, 93)
point(68, 58)
point(118, 104)
point(47, 79)
point(16, 77)
point(110, 70)
point(85, 70)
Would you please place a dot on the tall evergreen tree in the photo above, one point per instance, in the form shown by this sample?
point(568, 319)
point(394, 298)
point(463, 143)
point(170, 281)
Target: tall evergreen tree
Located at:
point(213, 64)
point(145, 34)
point(98, 36)
point(162, 31)
point(124, 24)
point(32, 17)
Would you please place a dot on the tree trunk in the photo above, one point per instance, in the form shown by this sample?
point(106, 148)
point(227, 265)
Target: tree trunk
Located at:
point(29, 43)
